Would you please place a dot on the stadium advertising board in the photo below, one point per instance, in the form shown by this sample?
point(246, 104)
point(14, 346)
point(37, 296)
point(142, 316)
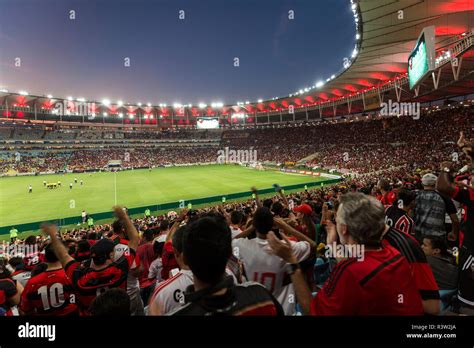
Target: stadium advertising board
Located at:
point(422, 59)
point(208, 123)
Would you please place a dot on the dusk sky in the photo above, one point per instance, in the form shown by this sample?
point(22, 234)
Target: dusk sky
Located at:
point(172, 60)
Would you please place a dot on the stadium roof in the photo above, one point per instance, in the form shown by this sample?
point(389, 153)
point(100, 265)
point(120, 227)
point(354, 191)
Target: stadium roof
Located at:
point(387, 33)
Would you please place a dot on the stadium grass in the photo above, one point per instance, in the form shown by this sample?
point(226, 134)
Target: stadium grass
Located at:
point(132, 188)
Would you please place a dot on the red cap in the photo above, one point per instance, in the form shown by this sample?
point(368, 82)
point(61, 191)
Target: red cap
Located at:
point(304, 208)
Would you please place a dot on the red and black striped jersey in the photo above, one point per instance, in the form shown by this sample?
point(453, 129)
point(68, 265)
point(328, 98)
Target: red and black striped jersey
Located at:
point(378, 284)
point(88, 283)
point(49, 293)
point(32, 259)
point(421, 270)
point(399, 219)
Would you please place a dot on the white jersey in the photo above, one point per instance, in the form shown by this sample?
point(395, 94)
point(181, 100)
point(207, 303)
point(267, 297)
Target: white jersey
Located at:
point(269, 270)
point(169, 294)
point(154, 272)
point(133, 286)
point(235, 231)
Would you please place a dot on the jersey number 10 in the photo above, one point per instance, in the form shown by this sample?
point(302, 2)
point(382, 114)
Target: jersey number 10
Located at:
point(52, 298)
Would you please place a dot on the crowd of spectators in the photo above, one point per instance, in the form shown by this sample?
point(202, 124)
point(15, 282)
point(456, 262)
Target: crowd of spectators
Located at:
point(359, 146)
point(379, 236)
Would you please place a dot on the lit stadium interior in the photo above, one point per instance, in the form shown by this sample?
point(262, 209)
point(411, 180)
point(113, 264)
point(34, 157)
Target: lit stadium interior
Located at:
point(373, 159)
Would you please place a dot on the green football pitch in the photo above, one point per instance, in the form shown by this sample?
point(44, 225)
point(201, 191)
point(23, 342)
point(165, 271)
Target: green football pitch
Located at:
point(133, 188)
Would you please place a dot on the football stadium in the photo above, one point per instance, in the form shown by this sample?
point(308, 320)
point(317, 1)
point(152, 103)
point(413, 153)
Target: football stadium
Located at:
point(152, 183)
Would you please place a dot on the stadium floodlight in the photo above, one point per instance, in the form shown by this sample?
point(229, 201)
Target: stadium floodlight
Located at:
point(106, 102)
point(69, 98)
point(260, 100)
point(130, 115)
point(357, 36)
point(247, 103)
point(300, 91)
point(81, 99)
point(120, 115)
point(333, 77)
point(319, 84)
point(50, 96)
point(145, 117)
point(354, 53)
point(105, 114)
point(177, 105)
point(354, 6)
point(23, 92)
point(139, 104)
point(202, 105)
point(148, 104)
point(120, 103)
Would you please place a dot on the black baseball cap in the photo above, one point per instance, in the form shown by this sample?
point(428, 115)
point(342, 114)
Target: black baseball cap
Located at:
point(102, 248)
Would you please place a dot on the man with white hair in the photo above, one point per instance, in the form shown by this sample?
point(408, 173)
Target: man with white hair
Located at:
point(431, 209)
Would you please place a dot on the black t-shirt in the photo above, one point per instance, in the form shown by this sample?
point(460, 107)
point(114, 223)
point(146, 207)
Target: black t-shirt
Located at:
point(444, 271)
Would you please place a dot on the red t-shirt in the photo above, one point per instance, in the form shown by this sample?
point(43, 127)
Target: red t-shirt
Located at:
point(168, 260)
point(147, 255)
point(49, 293)
point(89, 283)
point(388, 198)
point(380, 284)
